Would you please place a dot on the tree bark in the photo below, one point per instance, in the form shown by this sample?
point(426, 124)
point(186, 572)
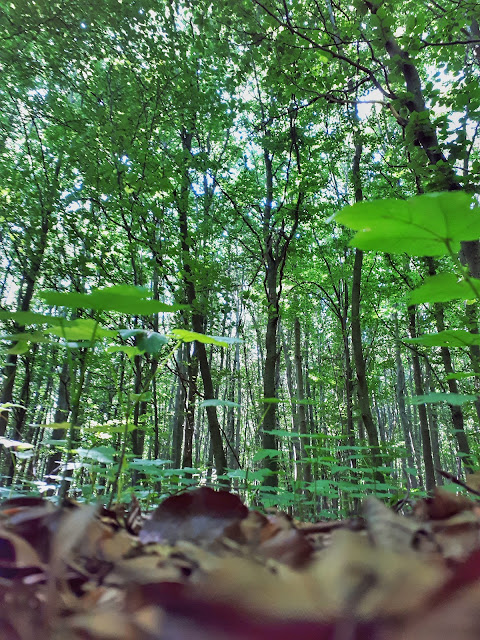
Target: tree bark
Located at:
point(400, 393)
point(302, 416)
point(357, 345)
point(422, 411)
point(197, 318)
point(455, 410)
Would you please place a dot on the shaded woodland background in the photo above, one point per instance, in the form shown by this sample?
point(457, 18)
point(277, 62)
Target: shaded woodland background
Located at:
point(199, 151)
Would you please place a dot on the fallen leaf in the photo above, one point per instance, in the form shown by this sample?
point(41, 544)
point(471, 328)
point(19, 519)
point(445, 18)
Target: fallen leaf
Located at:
point(199, 516)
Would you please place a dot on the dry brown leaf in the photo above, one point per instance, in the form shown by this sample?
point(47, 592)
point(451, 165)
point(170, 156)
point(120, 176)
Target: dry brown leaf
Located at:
point(393, 531)
point(356, 577)
point(473, 480)
point(456, 619)
point(16, 553)
point(442, 505)
point(112, 624)
point(458, 536)
point(150, 620)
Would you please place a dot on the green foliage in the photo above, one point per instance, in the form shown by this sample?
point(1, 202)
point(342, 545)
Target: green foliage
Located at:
point(452, 398)
point(134, 151)
point(443, 288)
point(433, 224)
point(120, 298)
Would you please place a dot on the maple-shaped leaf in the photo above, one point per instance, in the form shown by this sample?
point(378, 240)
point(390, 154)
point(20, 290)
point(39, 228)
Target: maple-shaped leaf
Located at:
point(199, 516)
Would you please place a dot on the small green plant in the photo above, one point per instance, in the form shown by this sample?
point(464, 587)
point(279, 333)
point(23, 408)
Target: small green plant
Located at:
point(107, 465)
point(433, 224)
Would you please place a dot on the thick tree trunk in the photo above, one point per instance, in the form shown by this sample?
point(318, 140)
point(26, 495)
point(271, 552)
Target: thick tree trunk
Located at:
point(421, 127)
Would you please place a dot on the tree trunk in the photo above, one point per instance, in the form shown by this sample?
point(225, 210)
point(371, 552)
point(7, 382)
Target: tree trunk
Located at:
point(455, 410)
point(422, 411)
point(400, 393)
point(179, 412)
point(61, 415)
point(357, 346)
point(302, 417)
point(197, 317)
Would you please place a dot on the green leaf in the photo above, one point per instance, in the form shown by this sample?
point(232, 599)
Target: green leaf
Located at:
point(461, 375)
point(442, 288)
point(447, 338)
point(33, 337)
point(219, 403)
point(451, 398)
point(282, 433)
point(129, 350)
point(152, 342)
point(54, 425)
point(148, 465)
point(148, 341)
point(82, 329)
point(99, 454)
point(8, 406)
point(265, 453)
point(190, 336)
point(20, 446)
point(121, 298)
point(433, 224)
point(29, 317)
point(238, 473)
point(141, 397)
point(19, 348)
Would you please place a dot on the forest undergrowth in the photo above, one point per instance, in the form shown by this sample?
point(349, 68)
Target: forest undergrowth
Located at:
point(203, 566)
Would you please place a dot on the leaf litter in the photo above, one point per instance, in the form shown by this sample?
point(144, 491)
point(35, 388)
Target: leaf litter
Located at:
point(204, 566)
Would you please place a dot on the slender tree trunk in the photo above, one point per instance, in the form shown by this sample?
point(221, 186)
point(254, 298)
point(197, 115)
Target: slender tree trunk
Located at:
point(61, 415)
point(422, 411)
point(302, 417)
point(20, 412)
point(296, 443)
point(179, 413)
point(360, 369)
point(432, 414)
point(357, 346)
point(197, 317)
point(400, 393)
point(455, 410)
point(474, 349)
point(192, 373)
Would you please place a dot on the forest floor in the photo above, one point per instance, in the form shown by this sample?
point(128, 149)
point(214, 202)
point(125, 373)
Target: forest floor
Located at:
point(202, 566)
